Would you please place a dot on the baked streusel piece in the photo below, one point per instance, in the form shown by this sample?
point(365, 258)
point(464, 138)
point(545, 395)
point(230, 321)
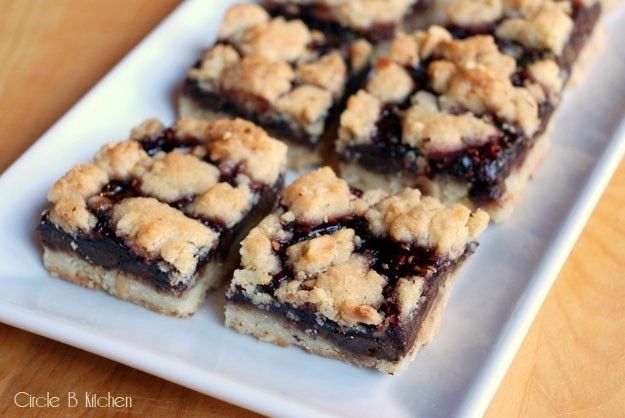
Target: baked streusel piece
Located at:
point(462, 113)
point(362, 277)
point(376, 20)
point(278, 73)
point(153, 219)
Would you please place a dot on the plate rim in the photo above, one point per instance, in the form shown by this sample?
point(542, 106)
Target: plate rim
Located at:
point(482, 387)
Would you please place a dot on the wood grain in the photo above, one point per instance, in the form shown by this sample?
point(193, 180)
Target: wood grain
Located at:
point(572, 363)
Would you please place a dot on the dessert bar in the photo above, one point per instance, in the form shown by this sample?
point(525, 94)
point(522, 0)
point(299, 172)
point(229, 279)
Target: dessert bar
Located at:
point(359, 276)
point(278, 73)
point(376, 20)
point(461, 112)
point(152, 219)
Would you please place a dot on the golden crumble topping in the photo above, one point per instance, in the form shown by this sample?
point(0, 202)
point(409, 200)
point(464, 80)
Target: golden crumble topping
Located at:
point(223, 202)
point(364, 14)
point(360, 51)
point(278, 40)
point(259, 76)
point(146, 129)
point(158, 230)
point(436, 132)
point(240, 141)
point(347, 293)
point(409, 292)
point(213, 64)
point(391, 82)
point(482, 91)
point(317, 255)
point(172, 176)
point(318, 196)
point(306, 103)
point(179, 174)
point(408, 217)
point(118, 160)
point(328, 72)
point(474, 12)
point(358, 121)
point(69, 197)
point(547, 28)
point(241, 17)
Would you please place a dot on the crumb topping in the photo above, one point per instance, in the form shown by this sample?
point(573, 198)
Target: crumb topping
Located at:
point(238, 141)
point(548, 75)
point(158, 230)
point(408, 293)
point(404, 50)
point(347, 293)
point(119, 159)
point(548, 28)
point(318, 196)
point(363, 14)
point(358, 121)
point(360, 51)
point(147, 129)
point(474, 12)
point(328, 72)
point(306, 104)
point(235, 145)
point(224, 203)
point(408, 217)
point(277, 40)
point(312, 257)
point(172, 176)
point(391, 83)
point(69, 197)
point(213, 64)
point(436, 132)
point(259, 76)
point(481, 91)
point(256, 249)
point(241, 17)
point(476, 51)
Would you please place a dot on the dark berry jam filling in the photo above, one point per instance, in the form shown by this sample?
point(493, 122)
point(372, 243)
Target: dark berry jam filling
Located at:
point(390, 340)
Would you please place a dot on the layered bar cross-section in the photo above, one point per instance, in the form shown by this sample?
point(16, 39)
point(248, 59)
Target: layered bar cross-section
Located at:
point(153, 219)
point(359, 276)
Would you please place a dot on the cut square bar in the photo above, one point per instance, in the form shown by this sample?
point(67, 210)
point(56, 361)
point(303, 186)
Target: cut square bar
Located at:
point(278, 73)
point(463, 113)
point(359, 276)
point(153, 219)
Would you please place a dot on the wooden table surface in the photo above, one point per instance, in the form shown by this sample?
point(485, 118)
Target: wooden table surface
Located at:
point(571, 364)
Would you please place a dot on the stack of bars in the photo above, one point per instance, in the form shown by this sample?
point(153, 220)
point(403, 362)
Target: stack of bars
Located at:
point(436, 130)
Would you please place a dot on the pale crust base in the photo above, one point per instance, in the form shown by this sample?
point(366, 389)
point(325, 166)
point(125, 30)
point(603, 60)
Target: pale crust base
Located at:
point(129, 287)
point(272, 328)
point(451, 191)
point(299, 157)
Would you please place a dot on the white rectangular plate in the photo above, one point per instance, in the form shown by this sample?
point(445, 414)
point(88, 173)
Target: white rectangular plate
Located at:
point(491, 308)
